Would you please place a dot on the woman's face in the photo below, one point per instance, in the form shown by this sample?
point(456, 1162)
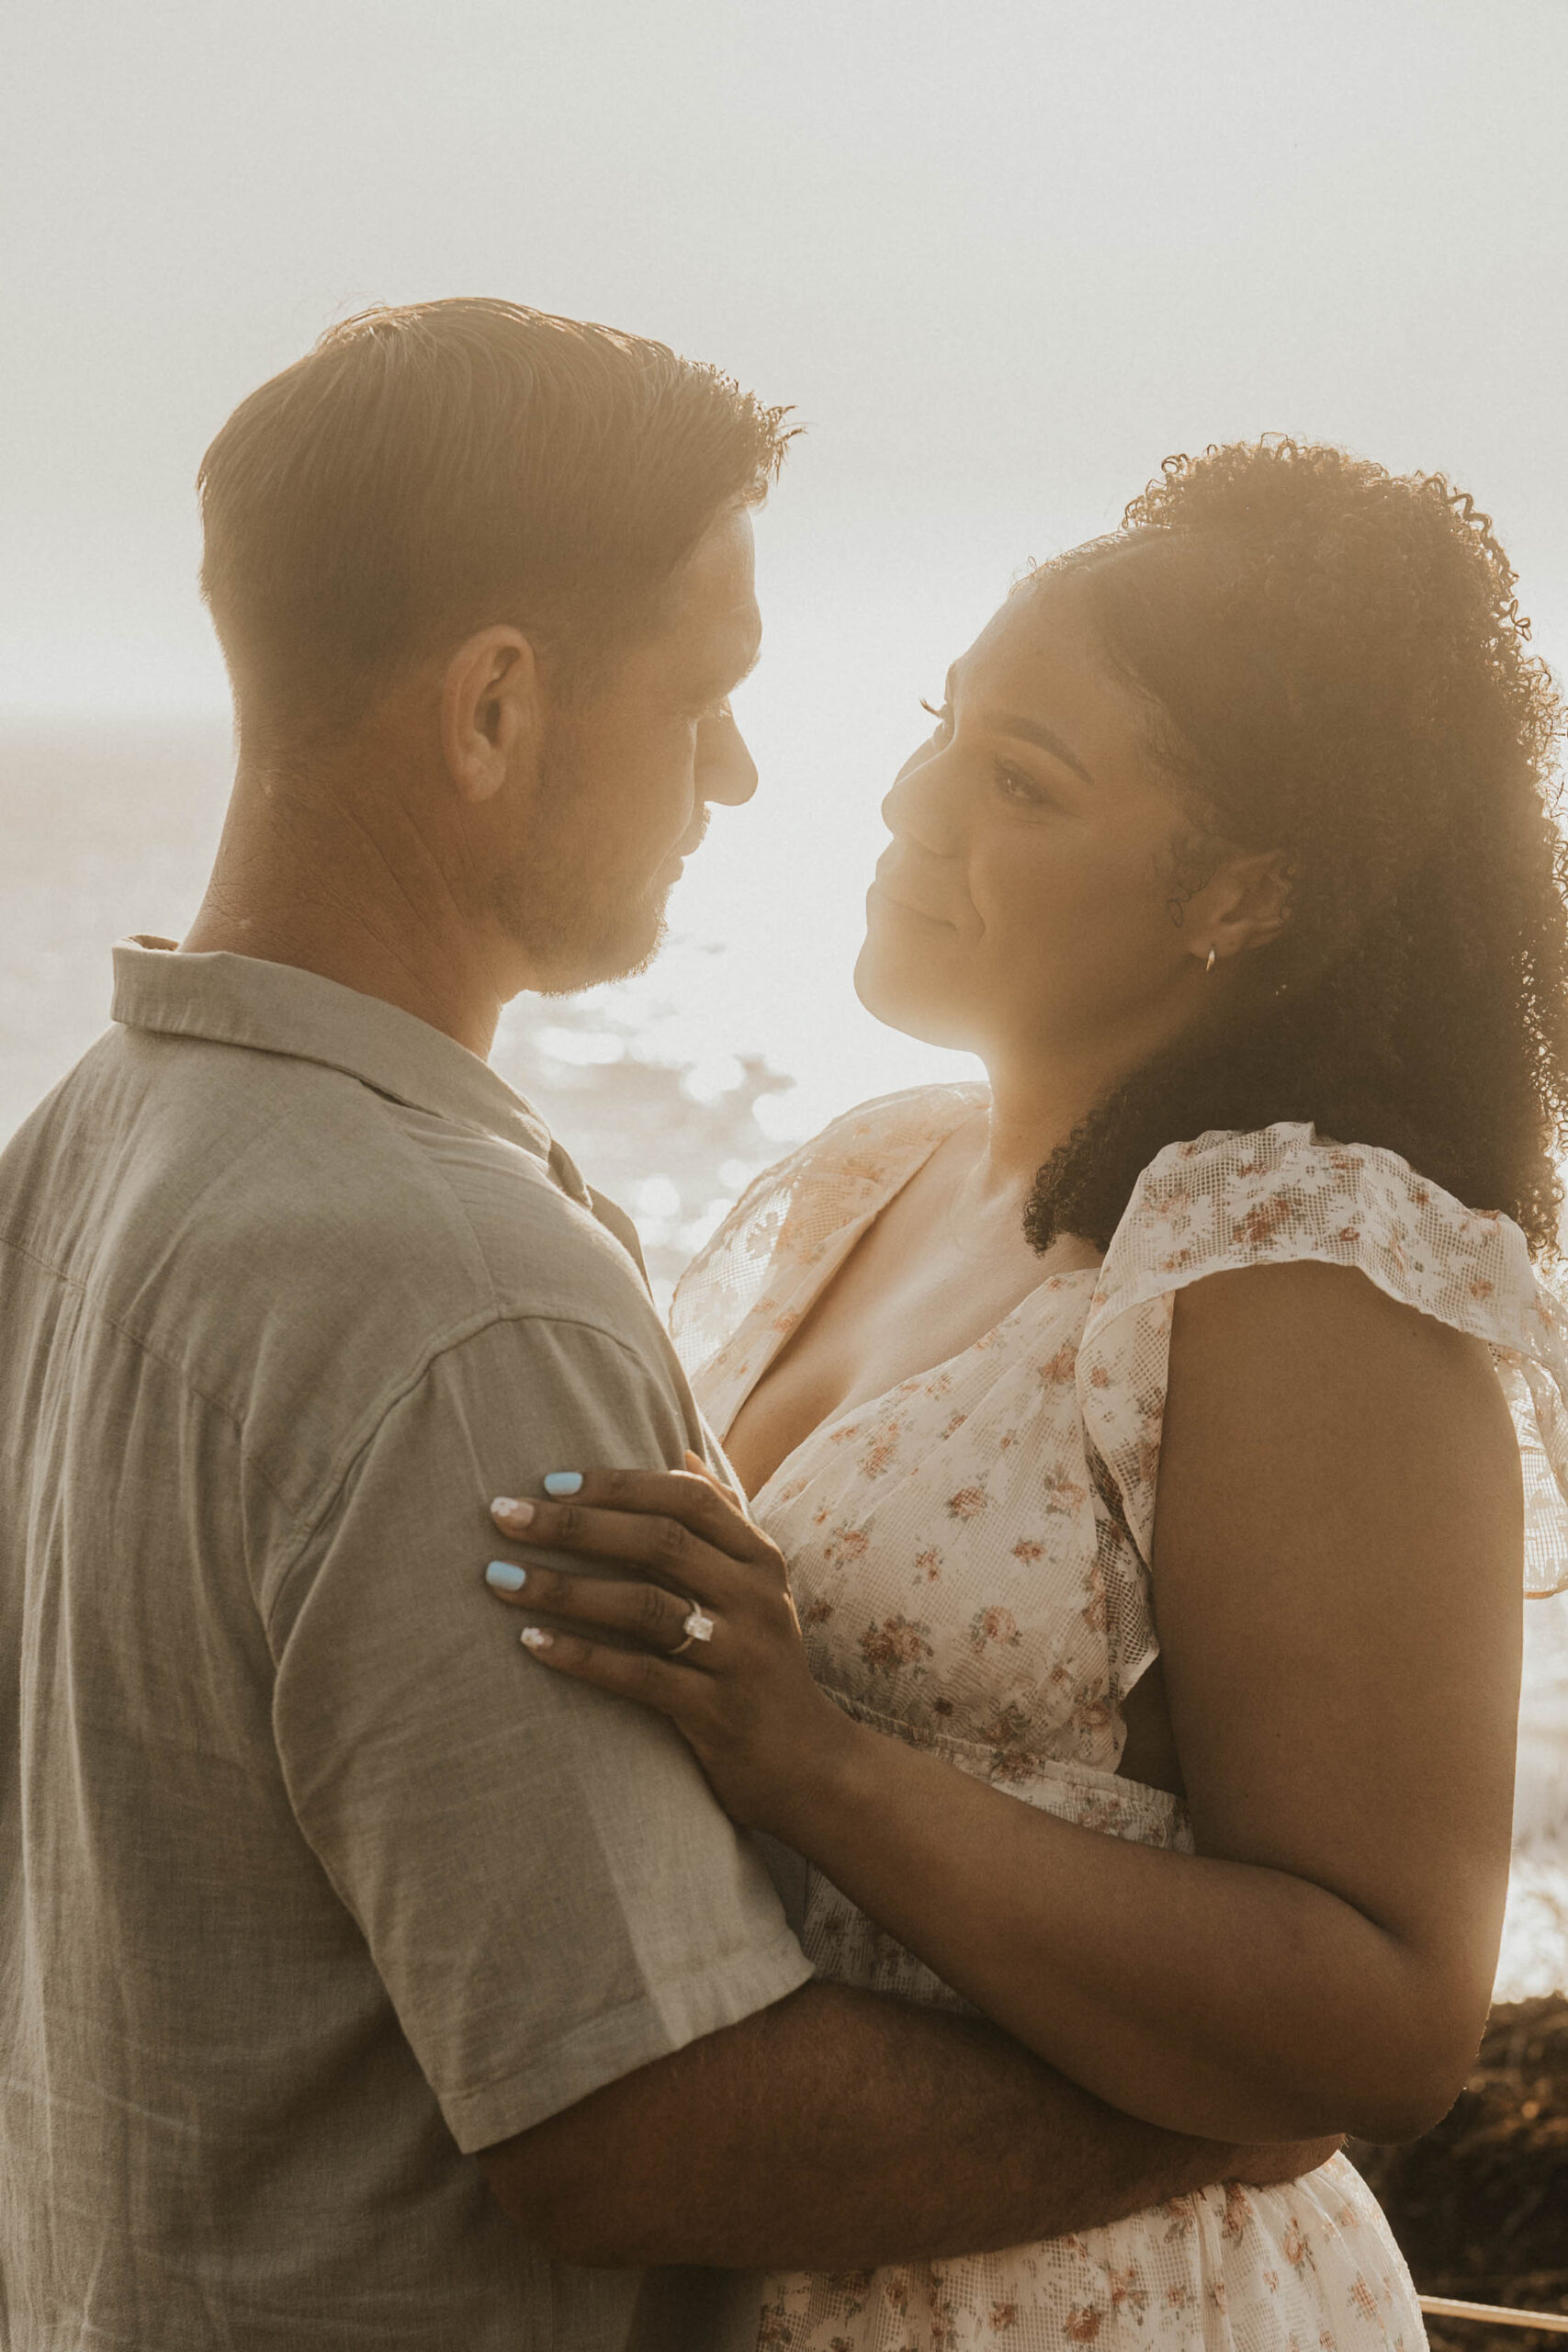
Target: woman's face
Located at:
point(1023, 905)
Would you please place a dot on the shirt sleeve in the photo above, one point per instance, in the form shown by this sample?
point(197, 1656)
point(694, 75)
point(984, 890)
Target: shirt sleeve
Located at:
point(548, 1890)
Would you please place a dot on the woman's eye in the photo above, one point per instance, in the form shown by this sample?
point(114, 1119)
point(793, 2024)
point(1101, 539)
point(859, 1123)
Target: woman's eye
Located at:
point(1011, 783)
point(1014, 785)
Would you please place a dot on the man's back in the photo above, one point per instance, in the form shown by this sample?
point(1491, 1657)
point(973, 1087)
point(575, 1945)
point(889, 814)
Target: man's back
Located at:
point(308, 1882)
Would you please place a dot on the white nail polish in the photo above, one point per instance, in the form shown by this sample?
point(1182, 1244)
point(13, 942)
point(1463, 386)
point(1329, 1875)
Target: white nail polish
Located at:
point(534, 1637)
point(502, 1506)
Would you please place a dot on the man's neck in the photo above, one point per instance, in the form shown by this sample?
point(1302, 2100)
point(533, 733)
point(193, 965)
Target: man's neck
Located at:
point(301, 878)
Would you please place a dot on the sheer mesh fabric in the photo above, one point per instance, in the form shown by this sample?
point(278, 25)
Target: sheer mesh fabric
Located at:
point(795, 1215)
point(1230, 1200)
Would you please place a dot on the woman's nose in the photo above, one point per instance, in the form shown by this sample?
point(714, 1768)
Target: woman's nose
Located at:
point(726, 770)
point(916, 805)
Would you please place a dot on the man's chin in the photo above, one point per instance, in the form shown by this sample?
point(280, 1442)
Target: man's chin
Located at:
point(617, 955)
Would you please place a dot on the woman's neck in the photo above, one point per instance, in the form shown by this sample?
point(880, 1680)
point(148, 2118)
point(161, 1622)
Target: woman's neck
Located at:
point(1041, 1093)
point(1030, 1113)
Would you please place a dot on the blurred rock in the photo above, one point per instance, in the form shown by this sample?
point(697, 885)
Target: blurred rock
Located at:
point(1480, 2205)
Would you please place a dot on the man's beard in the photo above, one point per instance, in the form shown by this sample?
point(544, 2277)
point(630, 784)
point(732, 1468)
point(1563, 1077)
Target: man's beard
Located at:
point(612, 954)
point(576, 932)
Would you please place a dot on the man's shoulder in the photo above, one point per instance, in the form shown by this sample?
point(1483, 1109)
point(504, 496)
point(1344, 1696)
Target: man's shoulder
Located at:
point(396, 1194)
point(280, 1230)
point(386, 1220)
point(292, 1169)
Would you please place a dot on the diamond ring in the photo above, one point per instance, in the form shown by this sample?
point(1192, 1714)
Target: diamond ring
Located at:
point(696, 1626)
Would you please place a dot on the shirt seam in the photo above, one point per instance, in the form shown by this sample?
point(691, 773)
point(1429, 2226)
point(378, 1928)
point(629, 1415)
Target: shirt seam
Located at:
point(364, 1438)
point(388, 1101)
point(425, 1163)
point(145, 1347)
point(463, 1210)
point(308, 1523)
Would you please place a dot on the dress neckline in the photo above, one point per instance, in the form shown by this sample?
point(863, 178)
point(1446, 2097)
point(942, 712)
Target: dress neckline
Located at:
point(831, 1262)
point(915, 1380)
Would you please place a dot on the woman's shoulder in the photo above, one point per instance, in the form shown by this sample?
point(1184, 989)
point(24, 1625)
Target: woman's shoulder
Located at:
point(1228, 1200)
point(861, 1142)
point(791, 1211)
point(863, 1152)
point(1282, 1195)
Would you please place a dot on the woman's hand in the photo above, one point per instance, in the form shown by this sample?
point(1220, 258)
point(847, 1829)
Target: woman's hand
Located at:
point(715, 1644)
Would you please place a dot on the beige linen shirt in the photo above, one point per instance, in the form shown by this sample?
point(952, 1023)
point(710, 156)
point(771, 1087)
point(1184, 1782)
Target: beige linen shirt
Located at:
point(311, 1880)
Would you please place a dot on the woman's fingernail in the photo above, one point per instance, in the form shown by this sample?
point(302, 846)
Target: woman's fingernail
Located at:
point(508, 1507)
point(502, 1576)
point(534, 1637)
point(564, 1481)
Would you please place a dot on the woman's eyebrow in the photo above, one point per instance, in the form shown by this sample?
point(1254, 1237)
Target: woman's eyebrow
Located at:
point(1029, 730)
point(1023, 731)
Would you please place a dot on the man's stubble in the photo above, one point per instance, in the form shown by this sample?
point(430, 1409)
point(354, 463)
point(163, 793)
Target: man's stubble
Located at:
point(580, 920)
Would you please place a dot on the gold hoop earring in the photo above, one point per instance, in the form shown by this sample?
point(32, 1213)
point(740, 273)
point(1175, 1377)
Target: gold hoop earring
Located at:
point(1210, 964)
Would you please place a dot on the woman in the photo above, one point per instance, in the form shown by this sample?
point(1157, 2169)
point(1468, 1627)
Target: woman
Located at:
point(1231, 854)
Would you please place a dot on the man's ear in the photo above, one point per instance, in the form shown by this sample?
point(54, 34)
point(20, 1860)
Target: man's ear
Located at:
point(1245, 905)
point(489, 710)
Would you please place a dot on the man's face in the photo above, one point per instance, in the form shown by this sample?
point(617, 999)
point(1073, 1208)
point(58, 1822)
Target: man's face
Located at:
point(626, 773)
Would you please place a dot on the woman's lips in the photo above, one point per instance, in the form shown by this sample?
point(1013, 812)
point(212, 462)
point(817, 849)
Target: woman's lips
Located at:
point(883, 895)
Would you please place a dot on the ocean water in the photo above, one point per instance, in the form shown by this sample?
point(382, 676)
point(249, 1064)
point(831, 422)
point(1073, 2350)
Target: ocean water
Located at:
point(673, 1090)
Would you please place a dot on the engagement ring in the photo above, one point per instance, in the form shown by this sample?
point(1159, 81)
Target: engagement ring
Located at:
point(696, 1627)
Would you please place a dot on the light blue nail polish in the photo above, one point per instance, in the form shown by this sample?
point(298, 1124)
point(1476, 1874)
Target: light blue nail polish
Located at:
point(503, 1576)
point(564, 1481)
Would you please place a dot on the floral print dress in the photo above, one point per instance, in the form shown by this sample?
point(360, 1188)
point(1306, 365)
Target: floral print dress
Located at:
point(969, 1556)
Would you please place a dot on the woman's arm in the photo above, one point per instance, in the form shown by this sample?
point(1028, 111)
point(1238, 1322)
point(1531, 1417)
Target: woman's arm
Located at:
point(1336, 1577)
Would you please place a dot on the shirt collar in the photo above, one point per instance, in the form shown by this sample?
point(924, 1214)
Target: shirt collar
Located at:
point(280, 1009)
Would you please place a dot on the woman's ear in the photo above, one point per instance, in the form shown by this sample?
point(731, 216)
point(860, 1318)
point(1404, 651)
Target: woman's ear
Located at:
point(1244, 905)
point(490, 693)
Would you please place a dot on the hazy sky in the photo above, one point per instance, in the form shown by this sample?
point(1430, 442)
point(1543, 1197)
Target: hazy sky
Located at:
point(1002, 258)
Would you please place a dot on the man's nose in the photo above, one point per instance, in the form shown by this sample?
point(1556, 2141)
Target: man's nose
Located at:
point(726, 770)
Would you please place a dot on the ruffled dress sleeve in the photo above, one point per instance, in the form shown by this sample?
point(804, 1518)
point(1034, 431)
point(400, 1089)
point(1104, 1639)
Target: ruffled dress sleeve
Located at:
point(1231, 1201)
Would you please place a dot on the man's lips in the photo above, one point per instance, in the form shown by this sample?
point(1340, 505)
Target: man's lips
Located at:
point(682, 850)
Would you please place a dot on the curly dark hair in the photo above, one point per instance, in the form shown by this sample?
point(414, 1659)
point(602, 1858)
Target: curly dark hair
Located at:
point(1336, 668)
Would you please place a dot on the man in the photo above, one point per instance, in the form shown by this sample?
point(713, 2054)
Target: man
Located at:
point(312, 1894)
